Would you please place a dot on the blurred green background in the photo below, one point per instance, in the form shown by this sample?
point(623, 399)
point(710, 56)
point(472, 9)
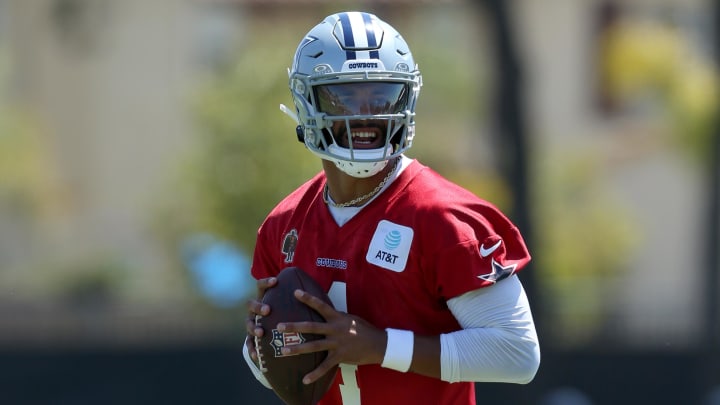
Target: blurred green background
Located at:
point(141, 146)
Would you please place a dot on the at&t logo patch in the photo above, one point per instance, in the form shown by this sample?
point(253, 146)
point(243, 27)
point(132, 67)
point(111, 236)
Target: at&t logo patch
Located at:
point(390, 246)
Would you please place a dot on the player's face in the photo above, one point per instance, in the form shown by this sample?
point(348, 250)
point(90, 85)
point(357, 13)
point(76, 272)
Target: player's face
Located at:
point(367, 98)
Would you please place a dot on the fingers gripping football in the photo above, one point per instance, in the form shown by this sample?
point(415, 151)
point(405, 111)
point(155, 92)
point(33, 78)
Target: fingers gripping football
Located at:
point(347, 338)
point(285, 372)
point(257, 308)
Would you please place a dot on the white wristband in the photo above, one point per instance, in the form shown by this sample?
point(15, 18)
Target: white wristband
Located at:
point(399, 350)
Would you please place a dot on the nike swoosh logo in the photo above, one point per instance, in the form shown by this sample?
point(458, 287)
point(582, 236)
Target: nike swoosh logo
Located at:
point(486, 252)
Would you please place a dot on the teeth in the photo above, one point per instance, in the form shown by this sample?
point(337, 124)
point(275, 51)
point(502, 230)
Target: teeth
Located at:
point(363, 135)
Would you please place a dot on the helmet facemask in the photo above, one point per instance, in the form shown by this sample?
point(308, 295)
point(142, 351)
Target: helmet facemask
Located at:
point(364, 123)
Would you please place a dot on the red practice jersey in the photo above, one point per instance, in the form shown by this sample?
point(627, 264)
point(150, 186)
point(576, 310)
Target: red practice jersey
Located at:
point(421, 242)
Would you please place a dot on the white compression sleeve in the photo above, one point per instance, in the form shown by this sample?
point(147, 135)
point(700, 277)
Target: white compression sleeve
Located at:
point(255, 370)
point(498, 342)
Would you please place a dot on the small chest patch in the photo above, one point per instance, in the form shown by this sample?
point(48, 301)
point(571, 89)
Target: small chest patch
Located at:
point(390, 246)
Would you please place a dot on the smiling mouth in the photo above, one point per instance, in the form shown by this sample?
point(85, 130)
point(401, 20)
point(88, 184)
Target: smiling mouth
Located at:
point(363, 138)
point(366, 137)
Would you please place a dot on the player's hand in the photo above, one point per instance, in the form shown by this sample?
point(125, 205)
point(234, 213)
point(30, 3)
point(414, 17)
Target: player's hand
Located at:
point(256, 307)
point(348, 339)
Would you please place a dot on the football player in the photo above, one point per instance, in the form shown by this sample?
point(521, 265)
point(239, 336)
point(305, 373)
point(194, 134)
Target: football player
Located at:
point(421, 272)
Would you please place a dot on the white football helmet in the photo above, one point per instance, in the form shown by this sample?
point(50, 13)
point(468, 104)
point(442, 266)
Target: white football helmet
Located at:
point(354, 85)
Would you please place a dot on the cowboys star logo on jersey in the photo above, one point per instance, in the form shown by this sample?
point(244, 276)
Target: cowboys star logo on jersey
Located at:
point(498, 272)
point(492, 247)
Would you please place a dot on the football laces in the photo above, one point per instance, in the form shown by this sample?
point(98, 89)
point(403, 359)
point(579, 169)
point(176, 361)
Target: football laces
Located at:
point(258, 351)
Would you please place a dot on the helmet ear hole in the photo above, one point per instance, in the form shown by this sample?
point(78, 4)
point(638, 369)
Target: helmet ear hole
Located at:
point(396, 138)
point(328, 136)
point(300, 134)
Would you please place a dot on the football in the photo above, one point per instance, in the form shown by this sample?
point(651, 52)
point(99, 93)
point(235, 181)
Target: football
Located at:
point(285, 373)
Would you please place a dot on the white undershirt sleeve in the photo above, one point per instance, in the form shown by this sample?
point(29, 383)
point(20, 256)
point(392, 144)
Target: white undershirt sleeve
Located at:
point(498, 342)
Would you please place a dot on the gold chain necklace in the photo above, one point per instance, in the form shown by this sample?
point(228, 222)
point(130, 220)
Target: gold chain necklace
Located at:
point(326, 195)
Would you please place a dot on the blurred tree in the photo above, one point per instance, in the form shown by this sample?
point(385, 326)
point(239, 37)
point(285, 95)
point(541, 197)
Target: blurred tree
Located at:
point(91, 285)
point(26, 165)
point(586, 239)
point(651, 66)
point(30, 193)
point(248, 156)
